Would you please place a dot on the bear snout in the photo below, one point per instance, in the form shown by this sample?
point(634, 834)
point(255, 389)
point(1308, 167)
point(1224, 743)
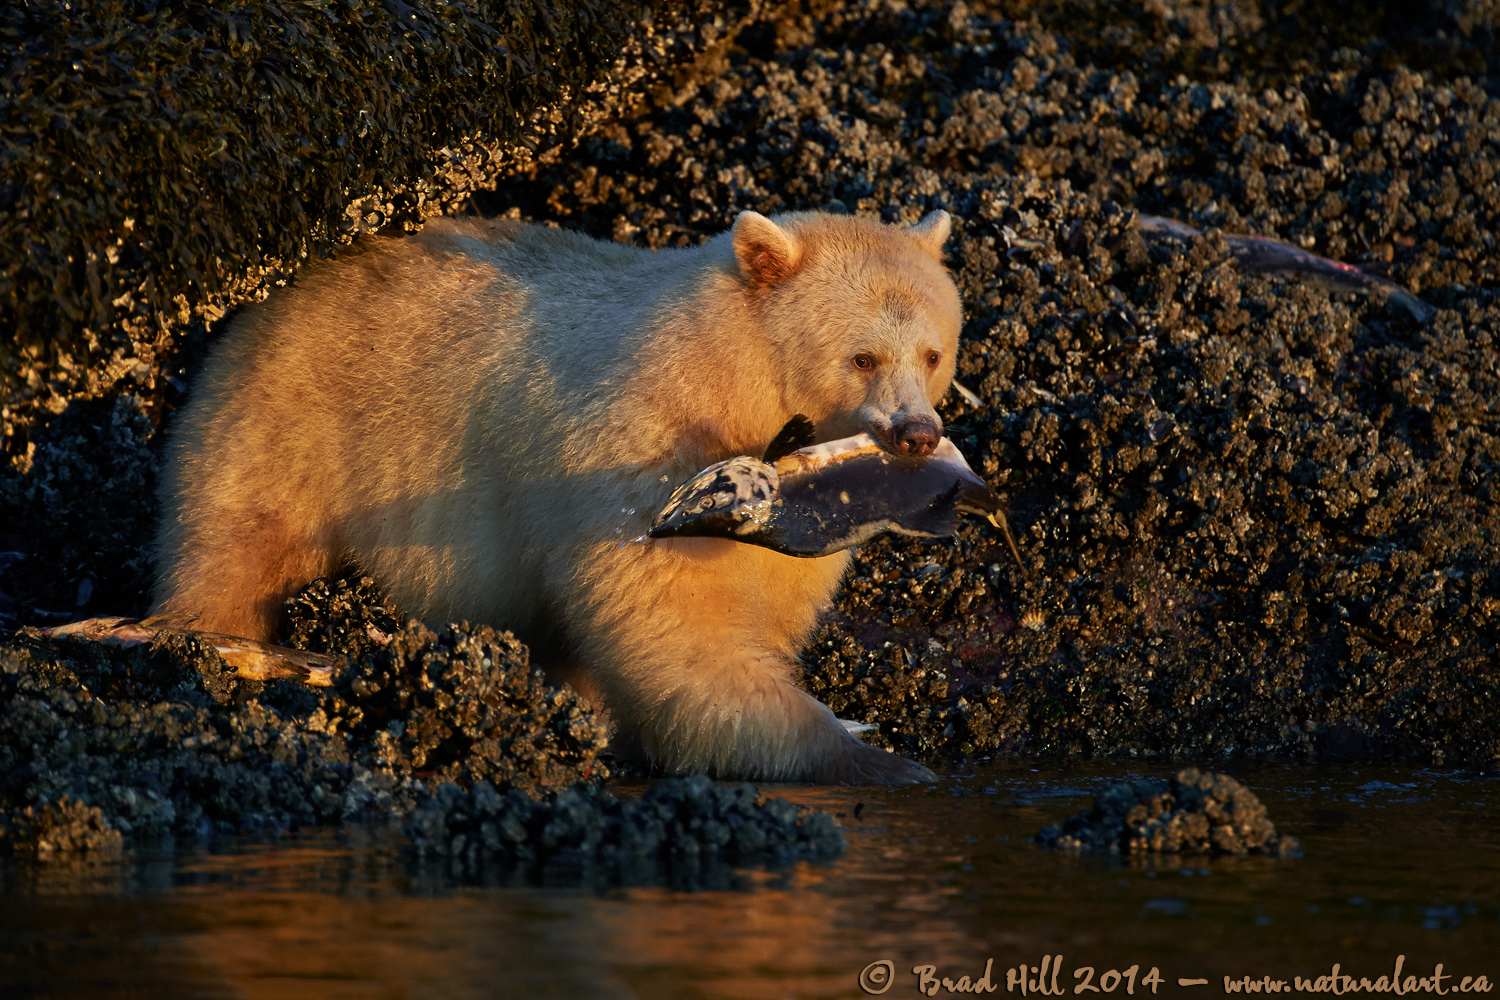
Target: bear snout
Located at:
point(915, 438)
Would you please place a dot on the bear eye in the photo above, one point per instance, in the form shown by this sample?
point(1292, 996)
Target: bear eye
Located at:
point(933, 357)
point(864, 362)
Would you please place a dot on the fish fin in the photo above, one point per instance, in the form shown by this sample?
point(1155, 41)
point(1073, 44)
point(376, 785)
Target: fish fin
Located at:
point(796, 435)
point(930, 523)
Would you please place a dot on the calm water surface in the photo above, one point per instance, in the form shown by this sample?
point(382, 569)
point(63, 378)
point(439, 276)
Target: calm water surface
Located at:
point(1396, 862)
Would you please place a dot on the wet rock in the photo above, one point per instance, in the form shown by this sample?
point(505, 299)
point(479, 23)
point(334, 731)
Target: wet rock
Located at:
point(165, 741)
point(463, 704)
point(687, 828)
point(157, 743)
point(1259, 518)
point(64, 830)
point(448, 736)
point(1196, 812)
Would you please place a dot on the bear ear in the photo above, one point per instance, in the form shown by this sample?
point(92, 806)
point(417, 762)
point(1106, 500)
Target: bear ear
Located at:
point(767, 254)
point(932, 232)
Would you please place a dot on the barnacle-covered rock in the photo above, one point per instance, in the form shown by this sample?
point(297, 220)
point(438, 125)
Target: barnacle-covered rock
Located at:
point(162, 163)
point(62, 830)
point(1196, 812)
point(688, 827)
point(1259, 517)
point(108, 745)
point(344, 614)
point(142, 744)
point(464, 704)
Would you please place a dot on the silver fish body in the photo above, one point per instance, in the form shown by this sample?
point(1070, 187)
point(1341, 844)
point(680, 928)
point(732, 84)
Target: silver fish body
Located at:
point(828, 497)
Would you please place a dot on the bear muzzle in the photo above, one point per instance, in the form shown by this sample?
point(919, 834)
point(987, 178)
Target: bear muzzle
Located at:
point(915, 438)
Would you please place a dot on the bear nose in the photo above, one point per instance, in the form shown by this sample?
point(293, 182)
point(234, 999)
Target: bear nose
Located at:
point(915, 438)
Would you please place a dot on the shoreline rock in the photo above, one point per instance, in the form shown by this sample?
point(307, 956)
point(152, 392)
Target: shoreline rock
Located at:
point(1195, 812)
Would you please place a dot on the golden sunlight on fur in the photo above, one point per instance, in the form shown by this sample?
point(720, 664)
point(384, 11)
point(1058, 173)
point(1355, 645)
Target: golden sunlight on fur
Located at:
point(485, 415)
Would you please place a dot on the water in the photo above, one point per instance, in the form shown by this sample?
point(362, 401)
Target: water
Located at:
point(1396, 862)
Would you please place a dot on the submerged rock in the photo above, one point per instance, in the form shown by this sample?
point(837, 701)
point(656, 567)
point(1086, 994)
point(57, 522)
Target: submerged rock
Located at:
point(65, 829)
point(682, 826)
point(1193, 813)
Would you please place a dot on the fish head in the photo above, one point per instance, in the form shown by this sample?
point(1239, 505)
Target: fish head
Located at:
point(727, 500)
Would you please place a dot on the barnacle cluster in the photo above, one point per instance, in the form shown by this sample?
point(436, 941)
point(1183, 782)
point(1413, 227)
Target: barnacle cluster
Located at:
point(1194, 812)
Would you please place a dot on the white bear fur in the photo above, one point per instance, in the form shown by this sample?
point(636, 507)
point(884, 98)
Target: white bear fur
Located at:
point(486, 415)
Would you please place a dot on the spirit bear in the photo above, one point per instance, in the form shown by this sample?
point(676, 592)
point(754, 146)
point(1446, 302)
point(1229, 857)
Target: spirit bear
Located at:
point(486, 415)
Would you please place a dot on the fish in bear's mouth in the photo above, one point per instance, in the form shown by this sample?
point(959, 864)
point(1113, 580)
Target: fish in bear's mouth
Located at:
point(810, 500)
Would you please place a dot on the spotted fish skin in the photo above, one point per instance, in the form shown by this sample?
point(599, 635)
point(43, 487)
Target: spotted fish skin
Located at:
point(828, 497)
point(726, 499)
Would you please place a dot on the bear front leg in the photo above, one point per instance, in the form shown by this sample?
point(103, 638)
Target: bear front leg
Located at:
point(691, 644)
point(691, 648)
point(733, 711)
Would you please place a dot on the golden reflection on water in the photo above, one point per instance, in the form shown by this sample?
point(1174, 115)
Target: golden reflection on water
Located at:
point(929, 878)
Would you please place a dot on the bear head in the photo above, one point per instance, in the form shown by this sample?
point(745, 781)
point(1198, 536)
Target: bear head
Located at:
point(864, 316)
